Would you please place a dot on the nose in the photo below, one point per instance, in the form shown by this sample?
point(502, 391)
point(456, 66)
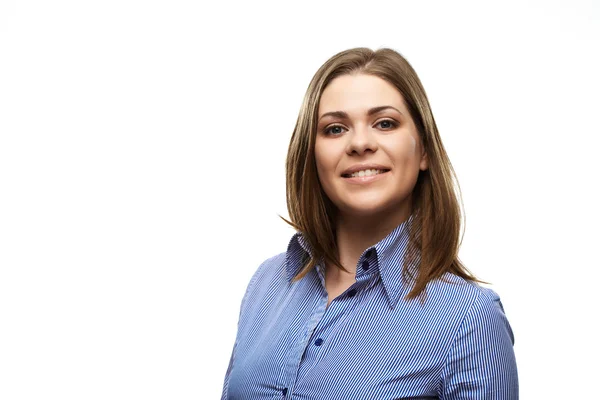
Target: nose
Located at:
point(361, 140)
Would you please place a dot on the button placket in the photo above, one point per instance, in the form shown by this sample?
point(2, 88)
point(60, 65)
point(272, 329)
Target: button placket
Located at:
point(300, 347)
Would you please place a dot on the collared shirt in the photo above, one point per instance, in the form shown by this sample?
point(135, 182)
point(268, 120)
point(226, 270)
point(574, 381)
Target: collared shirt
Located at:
point(370, 342)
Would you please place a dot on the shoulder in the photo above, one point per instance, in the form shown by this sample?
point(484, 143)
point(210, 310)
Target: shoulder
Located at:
point(479, 310)
point(271, 268)
point(453, 287)
point(481, 360)
point(471, 304)
point(270, 272)
point(487, 315)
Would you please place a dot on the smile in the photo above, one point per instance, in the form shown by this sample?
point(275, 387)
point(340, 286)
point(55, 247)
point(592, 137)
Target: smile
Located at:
point(366, 172)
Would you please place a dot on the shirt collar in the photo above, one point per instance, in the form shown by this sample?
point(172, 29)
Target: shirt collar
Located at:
point(298, 251)
point(389, 255)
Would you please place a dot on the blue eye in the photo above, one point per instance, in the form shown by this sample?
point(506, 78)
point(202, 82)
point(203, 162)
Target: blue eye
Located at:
point(329, 130)
point(389, 124)
point(335, 130)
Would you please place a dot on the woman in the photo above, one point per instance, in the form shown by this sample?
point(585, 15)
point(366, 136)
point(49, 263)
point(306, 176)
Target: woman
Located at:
point(370, 300)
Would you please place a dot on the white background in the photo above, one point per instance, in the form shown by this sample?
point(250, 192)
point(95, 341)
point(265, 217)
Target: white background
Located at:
point(142, 148)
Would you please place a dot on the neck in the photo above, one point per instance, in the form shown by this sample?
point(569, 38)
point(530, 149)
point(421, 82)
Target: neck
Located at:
point(354, 234)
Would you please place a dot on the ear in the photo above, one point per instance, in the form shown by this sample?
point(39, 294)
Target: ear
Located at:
point(424, 161)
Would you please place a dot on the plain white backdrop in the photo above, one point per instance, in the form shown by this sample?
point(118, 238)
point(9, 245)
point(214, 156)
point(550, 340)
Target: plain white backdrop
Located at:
point(142, 148)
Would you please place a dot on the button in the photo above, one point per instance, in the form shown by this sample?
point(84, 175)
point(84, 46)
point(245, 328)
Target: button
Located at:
point(351, 292)
point(318, 342)
point(368, 253)
point(284, 391)
point(365, 265)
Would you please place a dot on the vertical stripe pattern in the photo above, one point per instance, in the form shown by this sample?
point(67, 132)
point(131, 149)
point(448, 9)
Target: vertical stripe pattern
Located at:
point(370, 343)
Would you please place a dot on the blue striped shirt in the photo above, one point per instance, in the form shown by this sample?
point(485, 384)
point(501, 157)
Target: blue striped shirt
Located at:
point(370, 342)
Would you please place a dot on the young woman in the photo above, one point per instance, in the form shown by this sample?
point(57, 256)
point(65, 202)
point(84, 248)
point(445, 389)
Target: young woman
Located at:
point(370, 300)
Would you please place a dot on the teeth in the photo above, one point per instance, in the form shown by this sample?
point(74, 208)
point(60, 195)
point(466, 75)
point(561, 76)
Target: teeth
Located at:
point(367, 172)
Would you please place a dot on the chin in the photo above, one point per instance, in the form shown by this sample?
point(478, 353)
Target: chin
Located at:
point(363, 210)
point(373, 206)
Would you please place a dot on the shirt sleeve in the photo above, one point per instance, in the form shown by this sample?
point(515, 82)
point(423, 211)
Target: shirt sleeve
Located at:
point(481, 363)
point(225, 394)
point(226, 381)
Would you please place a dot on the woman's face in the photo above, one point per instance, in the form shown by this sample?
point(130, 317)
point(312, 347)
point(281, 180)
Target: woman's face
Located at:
point(368, 152)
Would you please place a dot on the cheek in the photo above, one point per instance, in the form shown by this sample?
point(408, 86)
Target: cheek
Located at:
point(324, 161)
point(321, 163)
point(413, 145)
point(410, 148)
point(403, 151)
point(319, 159)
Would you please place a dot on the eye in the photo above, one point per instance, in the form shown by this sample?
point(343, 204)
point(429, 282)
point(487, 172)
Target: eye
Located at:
point(333, 130)
point(387, 124)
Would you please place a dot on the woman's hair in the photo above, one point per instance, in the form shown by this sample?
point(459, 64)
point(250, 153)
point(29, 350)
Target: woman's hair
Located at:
point(436, 224)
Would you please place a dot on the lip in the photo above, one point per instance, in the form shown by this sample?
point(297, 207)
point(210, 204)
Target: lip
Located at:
point(362, 167)
point(361, 180)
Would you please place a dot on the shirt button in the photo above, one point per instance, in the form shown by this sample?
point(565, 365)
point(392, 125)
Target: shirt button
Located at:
point(365, 265)
point(351, 292)
point(284, 391)
point(318, 342)
point(368, 253)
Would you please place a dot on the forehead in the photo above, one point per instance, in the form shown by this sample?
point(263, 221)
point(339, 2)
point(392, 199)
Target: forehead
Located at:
point(356, 93)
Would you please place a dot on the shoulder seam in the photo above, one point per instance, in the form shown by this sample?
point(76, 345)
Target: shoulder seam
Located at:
point(456, 335)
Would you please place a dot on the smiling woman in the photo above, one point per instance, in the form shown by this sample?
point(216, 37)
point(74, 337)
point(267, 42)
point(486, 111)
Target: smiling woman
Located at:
point(370, 300)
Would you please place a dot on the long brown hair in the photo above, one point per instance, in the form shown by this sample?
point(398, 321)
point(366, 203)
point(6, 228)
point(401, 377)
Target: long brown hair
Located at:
point(435, 228)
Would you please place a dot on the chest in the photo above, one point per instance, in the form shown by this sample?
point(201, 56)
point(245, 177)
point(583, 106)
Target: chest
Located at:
point(295, 346)
point(335, 288)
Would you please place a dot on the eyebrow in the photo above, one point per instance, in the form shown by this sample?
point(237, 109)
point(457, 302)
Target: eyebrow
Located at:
point(344, 115)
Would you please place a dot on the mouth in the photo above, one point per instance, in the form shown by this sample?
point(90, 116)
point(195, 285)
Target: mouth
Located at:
point(365, 173)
